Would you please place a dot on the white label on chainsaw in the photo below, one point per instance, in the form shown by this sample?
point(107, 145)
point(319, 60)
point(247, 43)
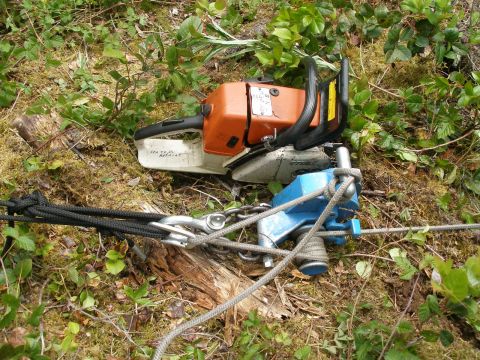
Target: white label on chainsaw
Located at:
point(261, 101)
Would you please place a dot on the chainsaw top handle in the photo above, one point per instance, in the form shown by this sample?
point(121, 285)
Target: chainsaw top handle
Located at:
point(169, 126)
point(290, 135)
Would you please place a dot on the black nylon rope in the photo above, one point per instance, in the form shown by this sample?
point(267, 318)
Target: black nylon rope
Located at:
point(35, 208)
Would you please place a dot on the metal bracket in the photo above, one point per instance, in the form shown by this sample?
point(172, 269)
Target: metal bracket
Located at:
point(179, 236)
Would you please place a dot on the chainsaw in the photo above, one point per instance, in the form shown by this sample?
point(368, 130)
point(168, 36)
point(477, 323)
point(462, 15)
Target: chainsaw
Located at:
point(255, 130)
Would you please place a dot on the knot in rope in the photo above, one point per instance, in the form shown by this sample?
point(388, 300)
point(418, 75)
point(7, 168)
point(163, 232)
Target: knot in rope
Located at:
point(23, 204)
point(332, 185)
point(331, 188)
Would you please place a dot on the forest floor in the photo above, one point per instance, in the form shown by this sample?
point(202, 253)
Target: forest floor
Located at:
point(102, 171)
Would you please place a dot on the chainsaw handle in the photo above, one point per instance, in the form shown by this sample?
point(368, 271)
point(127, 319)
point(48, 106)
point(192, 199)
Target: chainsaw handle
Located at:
point(320, 134)
point(290, 135)
point(168, 126)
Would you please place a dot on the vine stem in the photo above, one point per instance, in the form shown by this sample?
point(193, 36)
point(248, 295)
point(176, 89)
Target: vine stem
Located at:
point(402, 315)
point(379, 88)
point(468, 133)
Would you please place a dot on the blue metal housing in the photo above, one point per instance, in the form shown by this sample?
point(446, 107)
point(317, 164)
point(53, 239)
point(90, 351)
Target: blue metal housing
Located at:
point(275, 229)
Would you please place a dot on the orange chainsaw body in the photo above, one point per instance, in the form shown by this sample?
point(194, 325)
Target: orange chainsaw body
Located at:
point(243, 113)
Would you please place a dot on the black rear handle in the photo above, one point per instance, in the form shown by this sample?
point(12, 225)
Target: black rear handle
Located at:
point(290, 135)
point(322, 134)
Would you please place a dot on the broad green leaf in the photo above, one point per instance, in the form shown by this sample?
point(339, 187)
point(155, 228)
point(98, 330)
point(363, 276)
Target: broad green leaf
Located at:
point(303, 353)
point(114, 267)
point(114, 53)
point(172, 56)
point(370, 109)
point(472, 185)
point(451, 34)
point(362, 96)
point(405, 327)
point(275, 187)
point(7, 277)
point(11, 303)
point(472, 266)
point(55, 164)
point(73, 327)
point(23, 268)
point(107, 103)
point(25, 242)
point(220, 4)
point(424, 313)
point(190, 26)
point(37, 313)
point(407, 155)
point(283, 338)
point(11, 232)
point(113, 255)
point(455, 283)
point(400, 354)
point(400, 52)
point(418, 238)
point(429, 335)
point(142, 291)
point(432, 303)
point(5, 46)
point(444, 201)
point(446, 338)
point(414, 103)
point(88, 302)
point(73, 274)
point(415, 6)
point(282, 33)
point(421, 41)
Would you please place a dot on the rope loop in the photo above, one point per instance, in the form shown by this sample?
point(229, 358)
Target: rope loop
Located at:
point(23, 204)
point(354, 172)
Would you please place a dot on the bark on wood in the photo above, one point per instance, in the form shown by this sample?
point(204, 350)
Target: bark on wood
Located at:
point(210, 283)
point(194, 273)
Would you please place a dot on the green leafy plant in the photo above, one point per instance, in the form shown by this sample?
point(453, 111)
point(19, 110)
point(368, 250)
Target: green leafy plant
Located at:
point(257, 339)
point(8, 88)
point(401, 260)
point(461, 288)
point(138, 296)
point(68, 343)
point(114, 264)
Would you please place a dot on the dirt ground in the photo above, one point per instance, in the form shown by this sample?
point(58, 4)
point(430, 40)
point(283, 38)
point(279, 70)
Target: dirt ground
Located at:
point(104, 172)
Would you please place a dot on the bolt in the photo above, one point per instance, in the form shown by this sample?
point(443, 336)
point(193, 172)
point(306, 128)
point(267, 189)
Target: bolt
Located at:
point(274, 92)
point(216, 221)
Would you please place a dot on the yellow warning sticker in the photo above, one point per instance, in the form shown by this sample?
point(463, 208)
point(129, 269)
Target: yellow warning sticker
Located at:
point(332, 100)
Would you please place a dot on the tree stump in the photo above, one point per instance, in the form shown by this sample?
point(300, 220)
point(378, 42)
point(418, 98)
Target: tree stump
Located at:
point(210, 282)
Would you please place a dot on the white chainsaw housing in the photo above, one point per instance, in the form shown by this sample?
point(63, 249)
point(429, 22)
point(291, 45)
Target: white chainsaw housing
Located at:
point(281, 165)
point(188, 156)
point(179, 155)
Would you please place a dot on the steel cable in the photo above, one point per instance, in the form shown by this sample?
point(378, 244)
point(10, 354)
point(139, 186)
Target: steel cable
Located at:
point(167, 339)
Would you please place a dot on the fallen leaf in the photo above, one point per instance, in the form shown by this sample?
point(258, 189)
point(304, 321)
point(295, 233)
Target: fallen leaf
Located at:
point(16, 336)
point(298, 274)
point(176, 310)
point(364, 269)
point(134, 182)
